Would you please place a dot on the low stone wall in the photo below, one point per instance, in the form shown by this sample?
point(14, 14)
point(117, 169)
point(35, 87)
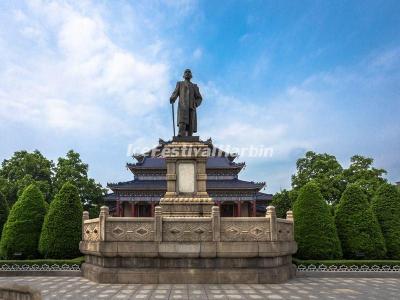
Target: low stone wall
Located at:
point(187, 229)
point(12, 291)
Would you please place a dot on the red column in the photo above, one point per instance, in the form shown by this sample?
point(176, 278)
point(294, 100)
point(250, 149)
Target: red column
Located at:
point(134, 208)
point(117, 208)
point(239, 208)
point(254, 208)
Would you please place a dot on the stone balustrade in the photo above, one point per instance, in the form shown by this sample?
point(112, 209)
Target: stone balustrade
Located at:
point(187, 229)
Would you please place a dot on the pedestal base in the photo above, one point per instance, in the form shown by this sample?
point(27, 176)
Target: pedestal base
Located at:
point(193, 271)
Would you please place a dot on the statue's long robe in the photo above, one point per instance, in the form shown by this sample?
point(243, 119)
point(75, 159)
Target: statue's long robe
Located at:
point(189, 100)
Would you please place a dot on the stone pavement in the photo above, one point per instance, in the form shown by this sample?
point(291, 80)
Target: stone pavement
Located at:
point(299, 288)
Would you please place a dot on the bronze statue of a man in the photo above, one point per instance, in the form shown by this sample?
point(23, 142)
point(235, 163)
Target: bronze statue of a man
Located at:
point(189, 100)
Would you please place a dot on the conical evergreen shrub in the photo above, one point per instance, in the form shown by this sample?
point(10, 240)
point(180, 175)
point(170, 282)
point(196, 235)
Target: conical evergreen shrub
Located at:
point(21, 232)
point(314, 227)
point(357, 226)
point(386, 206)
point(3, 211)
point(61, 231)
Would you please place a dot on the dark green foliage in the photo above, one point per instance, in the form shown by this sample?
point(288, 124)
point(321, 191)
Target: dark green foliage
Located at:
point(324, 170)
point(72, 169)
point(282, 203)
point(362, 173)
point(23, 169)
point(62, 227)
point(3, 211)
point(314, 227)
point(21, 232)
point(357, 226)
point(386, 206)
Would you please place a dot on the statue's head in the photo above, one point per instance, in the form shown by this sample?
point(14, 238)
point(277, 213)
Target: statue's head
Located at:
point(187, 74)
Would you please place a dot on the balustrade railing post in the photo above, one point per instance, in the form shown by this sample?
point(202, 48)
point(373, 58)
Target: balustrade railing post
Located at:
point(271, 214)
point(158, 223)
point(104, 214)
point(85, 216)
point(216, 223)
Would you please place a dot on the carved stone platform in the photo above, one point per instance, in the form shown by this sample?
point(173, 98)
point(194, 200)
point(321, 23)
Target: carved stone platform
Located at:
point(188, 249)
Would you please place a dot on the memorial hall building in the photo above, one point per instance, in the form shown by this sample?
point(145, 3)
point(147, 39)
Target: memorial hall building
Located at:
point(139, 197)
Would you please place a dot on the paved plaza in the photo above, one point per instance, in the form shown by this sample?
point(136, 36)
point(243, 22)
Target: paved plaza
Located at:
point(299, 288)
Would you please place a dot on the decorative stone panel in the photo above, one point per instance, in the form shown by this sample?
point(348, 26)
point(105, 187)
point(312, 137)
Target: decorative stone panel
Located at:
point(186, 230)
point(91, 231)
point(285, 230)
point(130, 230)
point(245, 229)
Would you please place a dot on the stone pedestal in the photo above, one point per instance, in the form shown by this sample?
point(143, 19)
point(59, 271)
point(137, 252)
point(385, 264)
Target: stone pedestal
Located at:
point(187, 241)
point(186, 179)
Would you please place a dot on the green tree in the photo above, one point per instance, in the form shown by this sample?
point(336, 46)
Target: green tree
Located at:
point(362, 173)
point(72, 169)
point(3, 211)
point(357, 226)
point(386, 206)
point(282, 203)
point(62, 226)
point(22, 230)
point(324, 170)
point(23, 169)
point(314, 227)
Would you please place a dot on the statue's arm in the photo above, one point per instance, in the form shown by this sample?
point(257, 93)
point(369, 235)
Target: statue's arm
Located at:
point(175, 93)
point(197, 95)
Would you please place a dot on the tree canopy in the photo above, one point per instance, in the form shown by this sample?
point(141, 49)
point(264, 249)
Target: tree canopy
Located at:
point(282, 201)
point(23, 169)
point(362, 173)
point(323, 169)
point(72, 169)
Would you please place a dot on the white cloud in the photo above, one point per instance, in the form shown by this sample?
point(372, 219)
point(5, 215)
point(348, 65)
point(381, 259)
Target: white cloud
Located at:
point(82, 81)
point(198, 53)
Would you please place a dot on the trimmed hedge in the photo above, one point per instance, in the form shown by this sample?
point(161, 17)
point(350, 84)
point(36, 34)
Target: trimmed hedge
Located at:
point(357, 226)
point(314, 227)
point(30, 262)
point(345, 262)
point(62, 227)
point(3, 211)
point(22, 230)
point(386, 206)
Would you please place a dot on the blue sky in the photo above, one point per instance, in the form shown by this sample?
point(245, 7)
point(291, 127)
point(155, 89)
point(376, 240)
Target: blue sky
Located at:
point(95, 76)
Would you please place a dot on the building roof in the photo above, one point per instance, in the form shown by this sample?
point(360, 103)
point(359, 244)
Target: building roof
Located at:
point(159, 163)
point(162, 185)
